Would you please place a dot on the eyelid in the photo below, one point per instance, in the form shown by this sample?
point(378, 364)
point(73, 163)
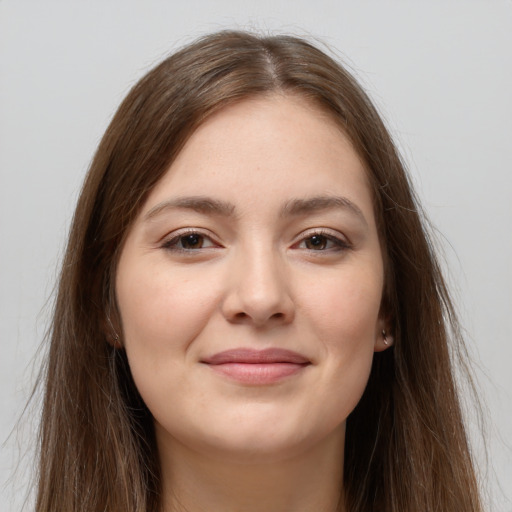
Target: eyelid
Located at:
point(174, 236)
point(342, 242)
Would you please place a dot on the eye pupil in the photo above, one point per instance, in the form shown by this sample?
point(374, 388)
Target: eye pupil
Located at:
point(316, 242)
point(192, 241)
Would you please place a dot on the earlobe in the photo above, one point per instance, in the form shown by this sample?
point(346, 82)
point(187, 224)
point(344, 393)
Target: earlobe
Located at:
point(387, 341)
point(384, 340)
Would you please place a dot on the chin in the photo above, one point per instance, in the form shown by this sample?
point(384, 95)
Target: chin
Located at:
point(266, 440)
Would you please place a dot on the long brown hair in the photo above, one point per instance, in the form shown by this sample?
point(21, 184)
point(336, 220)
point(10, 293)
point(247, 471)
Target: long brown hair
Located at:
point(406, 446)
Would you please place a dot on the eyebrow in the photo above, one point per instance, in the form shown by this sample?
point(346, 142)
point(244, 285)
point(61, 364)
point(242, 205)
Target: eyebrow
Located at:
point(295, 207)
point(200, 204)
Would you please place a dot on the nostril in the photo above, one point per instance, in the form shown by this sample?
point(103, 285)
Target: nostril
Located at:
point(241, 316)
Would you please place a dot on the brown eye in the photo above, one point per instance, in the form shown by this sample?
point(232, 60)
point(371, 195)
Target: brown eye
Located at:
point(191, 241)
point(323, 242)
point(316, 242)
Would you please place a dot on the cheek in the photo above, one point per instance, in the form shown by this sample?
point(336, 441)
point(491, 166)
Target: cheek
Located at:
point(162, 310)
point(162, 313)
point(345, 307)
point(345, 315)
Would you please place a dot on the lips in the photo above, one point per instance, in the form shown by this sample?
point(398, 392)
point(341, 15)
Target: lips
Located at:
point(251, 356)
point(257, 367)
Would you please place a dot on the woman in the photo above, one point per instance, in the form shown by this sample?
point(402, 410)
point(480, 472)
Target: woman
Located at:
point(250, 315)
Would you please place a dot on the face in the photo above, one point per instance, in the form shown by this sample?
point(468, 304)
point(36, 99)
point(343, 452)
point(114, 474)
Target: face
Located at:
point(249, 287)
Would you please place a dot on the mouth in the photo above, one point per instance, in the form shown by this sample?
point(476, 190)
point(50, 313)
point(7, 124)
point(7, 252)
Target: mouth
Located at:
point(257, 367)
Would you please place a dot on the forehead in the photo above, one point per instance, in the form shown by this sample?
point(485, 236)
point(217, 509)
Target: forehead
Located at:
point(273, 148)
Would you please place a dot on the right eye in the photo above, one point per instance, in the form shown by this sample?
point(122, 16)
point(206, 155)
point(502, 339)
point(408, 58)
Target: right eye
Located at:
point(189, 241)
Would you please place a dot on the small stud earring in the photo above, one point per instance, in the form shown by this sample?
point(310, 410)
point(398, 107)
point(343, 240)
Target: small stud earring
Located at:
point(385, 338)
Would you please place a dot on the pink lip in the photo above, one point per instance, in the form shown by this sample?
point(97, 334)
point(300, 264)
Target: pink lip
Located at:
point(257, 367)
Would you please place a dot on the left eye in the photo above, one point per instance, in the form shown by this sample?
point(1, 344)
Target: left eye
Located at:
point(320, 242)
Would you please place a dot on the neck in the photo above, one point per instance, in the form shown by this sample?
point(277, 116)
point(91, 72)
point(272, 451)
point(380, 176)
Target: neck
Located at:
point(310, 480)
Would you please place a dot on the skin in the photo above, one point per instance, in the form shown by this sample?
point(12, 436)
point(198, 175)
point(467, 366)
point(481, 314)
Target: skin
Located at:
point(271, 269)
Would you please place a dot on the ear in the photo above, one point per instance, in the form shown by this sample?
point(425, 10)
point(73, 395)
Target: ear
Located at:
point(384, 328)
point(383, 337)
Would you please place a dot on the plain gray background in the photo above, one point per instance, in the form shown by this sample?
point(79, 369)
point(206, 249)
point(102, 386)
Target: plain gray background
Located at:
point(440, 72)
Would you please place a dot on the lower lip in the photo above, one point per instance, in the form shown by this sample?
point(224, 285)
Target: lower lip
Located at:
point(258, 373)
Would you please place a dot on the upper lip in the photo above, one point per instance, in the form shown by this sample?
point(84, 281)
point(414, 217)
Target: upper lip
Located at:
point(252, 356)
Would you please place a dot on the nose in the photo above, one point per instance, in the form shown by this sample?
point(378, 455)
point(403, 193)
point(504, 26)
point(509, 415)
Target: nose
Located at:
point(258, 290)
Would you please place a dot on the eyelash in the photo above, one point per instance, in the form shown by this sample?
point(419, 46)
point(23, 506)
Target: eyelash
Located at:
point(338, 244)
point(172, 243)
